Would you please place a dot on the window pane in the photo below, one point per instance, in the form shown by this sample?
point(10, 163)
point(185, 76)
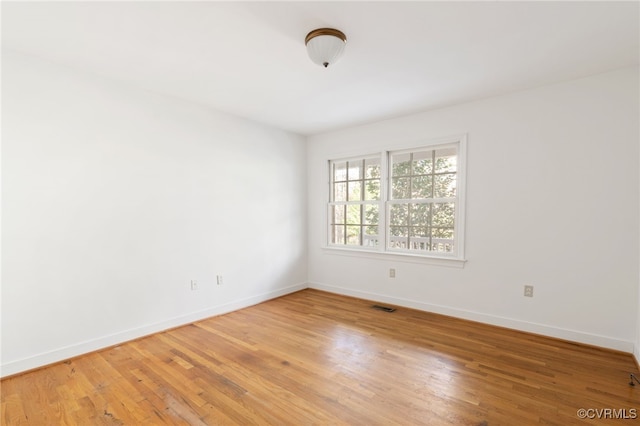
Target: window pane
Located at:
point(442, 240)
point(370, 237)
point(401, 165)
point(400, 188)
point(419, 243)
point(371, 214)
point(353, 235)
point(353, 214)
point(442, 245)
point(446, 233)
point(340, 191)
point(372, 168)
point(445, 185)
point(443, 215)
point(355, 170)
point(421, 187)
point(398, 215)
point(420, 214)
point(446, 160)
point(398, 236)
point(338, 234)
point(422, 162)
point(371, 230)
point(355, 191)
point(372, 189)
point(419, 231)
point(338, 214)
point(340, 171)
point(399, 231)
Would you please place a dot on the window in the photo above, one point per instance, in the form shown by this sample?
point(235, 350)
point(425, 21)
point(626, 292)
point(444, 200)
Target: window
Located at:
point(355, 202)
point(403, 202)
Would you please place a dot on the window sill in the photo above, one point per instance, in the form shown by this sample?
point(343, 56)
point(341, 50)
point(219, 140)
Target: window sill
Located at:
point(395, 257)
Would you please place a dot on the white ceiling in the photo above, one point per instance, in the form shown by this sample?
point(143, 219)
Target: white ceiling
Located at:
point(249, 59)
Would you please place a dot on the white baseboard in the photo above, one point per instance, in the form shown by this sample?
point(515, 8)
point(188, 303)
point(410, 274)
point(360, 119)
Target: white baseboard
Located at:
point(560, 333)
point(67, 352)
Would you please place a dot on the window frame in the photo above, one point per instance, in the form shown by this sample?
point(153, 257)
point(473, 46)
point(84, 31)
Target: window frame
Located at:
point(382, 250)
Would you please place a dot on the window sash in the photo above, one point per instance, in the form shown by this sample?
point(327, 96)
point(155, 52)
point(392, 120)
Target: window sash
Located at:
point(349, 224)
point(422, 202)
point(425, 235)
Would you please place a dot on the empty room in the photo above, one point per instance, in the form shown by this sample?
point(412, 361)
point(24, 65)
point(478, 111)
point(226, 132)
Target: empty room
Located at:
point(320, 213)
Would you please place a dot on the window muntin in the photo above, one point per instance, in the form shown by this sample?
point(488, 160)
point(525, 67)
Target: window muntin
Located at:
point(401, 202)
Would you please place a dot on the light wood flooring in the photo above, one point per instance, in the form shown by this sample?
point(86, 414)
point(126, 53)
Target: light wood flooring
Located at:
point(317, 358)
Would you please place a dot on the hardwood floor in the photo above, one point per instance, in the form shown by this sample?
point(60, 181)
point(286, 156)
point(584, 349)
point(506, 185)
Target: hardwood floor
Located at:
point(318, 358)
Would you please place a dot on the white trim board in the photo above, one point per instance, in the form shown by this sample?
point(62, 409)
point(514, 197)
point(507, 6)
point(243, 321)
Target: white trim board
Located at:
point(67, 352)
point(541, 329)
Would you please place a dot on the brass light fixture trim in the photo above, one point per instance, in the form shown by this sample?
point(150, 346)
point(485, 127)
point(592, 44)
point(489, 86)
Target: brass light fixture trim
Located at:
point(325, 31)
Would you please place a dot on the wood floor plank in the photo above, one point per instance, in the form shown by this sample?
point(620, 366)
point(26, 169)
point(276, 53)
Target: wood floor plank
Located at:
point(318, 358)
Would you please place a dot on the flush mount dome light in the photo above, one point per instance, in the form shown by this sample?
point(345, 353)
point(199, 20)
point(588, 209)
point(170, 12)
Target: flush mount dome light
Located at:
point(325, 45)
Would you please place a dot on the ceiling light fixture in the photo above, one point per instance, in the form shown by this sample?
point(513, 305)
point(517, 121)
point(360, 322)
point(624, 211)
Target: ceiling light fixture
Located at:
point(325, 45)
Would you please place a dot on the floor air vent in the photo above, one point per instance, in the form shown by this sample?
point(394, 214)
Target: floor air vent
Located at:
point(383, 308)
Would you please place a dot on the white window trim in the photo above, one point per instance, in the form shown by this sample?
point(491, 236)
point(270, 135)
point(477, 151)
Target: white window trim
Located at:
point(382, 253)
point(364, 253)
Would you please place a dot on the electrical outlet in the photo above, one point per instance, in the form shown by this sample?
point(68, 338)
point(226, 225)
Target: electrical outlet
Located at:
point(392, 273)
point(528, 291)
point(194, 285)
point(219, 279)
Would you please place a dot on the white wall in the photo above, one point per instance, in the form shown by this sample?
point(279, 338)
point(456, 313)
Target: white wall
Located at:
point(113, 199)
point(552, 201)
